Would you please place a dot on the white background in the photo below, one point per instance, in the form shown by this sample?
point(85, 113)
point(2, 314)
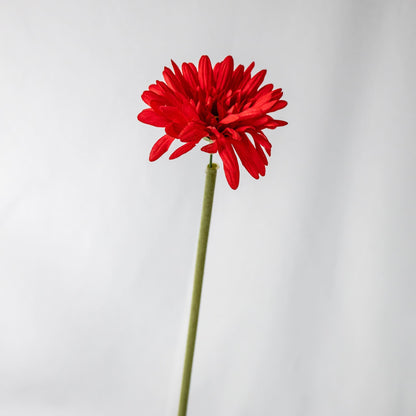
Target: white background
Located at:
point(309, 292)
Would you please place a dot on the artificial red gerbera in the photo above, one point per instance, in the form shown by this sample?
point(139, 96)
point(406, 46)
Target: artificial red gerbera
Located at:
point(222, 105)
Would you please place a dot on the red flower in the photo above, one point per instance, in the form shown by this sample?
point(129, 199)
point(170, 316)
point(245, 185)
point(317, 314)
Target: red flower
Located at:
point(222, 105)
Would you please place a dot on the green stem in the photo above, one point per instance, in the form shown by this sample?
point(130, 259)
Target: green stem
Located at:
point(211, 174)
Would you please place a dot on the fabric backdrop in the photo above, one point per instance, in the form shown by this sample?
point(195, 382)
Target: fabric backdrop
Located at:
point(308, 305)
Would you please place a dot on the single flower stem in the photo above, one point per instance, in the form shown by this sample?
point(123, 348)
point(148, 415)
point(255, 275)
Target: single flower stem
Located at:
point(211, 174)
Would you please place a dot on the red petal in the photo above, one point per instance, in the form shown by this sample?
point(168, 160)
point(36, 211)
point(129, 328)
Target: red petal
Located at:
point(233, 133)
point(173, 129)
point(181, 150)
point(165, 91)
point(237, 76)
point(278, 105)
point(247, 75)
point(172, 81)
point(190, 75)
point(152, 99)
point(280, 123)
point(244, 115)
point(178, 72)
point(259, 122)
point(277, 94)
point(210, 148)
point(205, 73)
point(180, 77)
point(249, 157)
point(156, 89)
point(254, 83)
point(160, 147)
point(261, 154)
point(266, 98)
point(257, 159)
point(272, 124)
point(267, 107)
point(148, 116)
point(189, 111)
point(263, 91)
point(192, 132)
point(246, 159)
point(260, 138)
point(231, 118)
point(229, 159)
point(216, 71)
point(173, 114)
point(225, 71)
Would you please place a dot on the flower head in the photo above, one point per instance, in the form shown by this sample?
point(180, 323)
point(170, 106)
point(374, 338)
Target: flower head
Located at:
point(223, 105)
